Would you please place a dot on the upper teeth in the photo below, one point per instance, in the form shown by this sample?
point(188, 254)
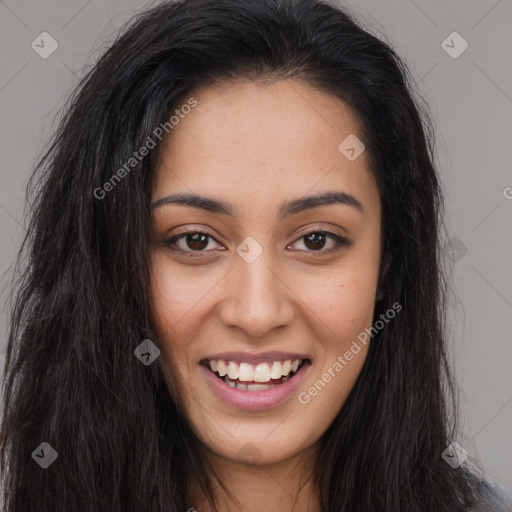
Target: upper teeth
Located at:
point(262, 372)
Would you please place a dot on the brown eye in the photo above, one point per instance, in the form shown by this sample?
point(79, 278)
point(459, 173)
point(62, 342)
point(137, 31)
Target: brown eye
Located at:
point(315, 240)
point(196, 241)
point(190, 242)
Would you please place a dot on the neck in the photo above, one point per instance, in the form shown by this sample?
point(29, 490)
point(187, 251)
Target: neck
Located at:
point(284, 486)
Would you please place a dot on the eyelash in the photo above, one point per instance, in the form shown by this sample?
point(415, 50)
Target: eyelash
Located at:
point(340, 242)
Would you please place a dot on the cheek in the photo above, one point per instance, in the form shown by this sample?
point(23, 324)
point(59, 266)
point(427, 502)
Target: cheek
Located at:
point(170, 294)
point(342, 302)
point(179, 294)
point(173, 298)
point(341, 308)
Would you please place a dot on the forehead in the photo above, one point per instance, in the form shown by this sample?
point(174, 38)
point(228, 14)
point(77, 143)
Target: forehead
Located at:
point(263, 141)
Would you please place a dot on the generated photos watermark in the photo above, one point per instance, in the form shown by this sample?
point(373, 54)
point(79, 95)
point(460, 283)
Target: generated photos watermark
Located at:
point(145, 149)
point(304, 397)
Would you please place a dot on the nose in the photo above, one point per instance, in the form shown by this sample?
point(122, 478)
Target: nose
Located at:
point(258, 299)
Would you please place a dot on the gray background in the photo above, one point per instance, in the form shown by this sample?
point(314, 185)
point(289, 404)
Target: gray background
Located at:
point(470, 98)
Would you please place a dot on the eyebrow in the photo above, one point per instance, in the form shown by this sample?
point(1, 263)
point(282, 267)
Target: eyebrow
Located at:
point(288, 208)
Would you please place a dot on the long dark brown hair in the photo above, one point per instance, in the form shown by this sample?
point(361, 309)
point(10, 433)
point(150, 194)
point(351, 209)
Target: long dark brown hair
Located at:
point(82, 299)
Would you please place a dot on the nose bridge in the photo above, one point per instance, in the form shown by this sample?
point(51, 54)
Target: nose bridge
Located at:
point(257, 300)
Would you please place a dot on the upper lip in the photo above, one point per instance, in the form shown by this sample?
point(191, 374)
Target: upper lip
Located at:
point(263, 357)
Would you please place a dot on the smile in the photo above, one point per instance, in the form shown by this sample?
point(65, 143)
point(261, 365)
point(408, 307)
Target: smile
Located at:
point(254, 386)
point(246, 376)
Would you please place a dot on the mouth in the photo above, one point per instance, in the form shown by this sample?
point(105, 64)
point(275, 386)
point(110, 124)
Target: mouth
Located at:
point(256, 385)
point(255, 377)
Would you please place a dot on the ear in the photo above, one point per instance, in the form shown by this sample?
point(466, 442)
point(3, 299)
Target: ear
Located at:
point(383, 275)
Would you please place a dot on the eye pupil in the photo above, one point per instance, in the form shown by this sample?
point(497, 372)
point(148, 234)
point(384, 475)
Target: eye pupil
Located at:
point(195, 240)
point(318, 240)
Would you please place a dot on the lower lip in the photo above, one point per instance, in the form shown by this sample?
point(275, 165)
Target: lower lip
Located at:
point(254, 400)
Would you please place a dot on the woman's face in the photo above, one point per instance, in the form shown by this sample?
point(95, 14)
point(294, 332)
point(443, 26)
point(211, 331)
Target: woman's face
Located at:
point(254, 284)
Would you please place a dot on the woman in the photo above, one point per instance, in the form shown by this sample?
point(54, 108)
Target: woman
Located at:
point(233, 299)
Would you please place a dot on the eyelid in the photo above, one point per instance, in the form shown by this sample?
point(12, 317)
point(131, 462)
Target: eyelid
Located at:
point(319, 228)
